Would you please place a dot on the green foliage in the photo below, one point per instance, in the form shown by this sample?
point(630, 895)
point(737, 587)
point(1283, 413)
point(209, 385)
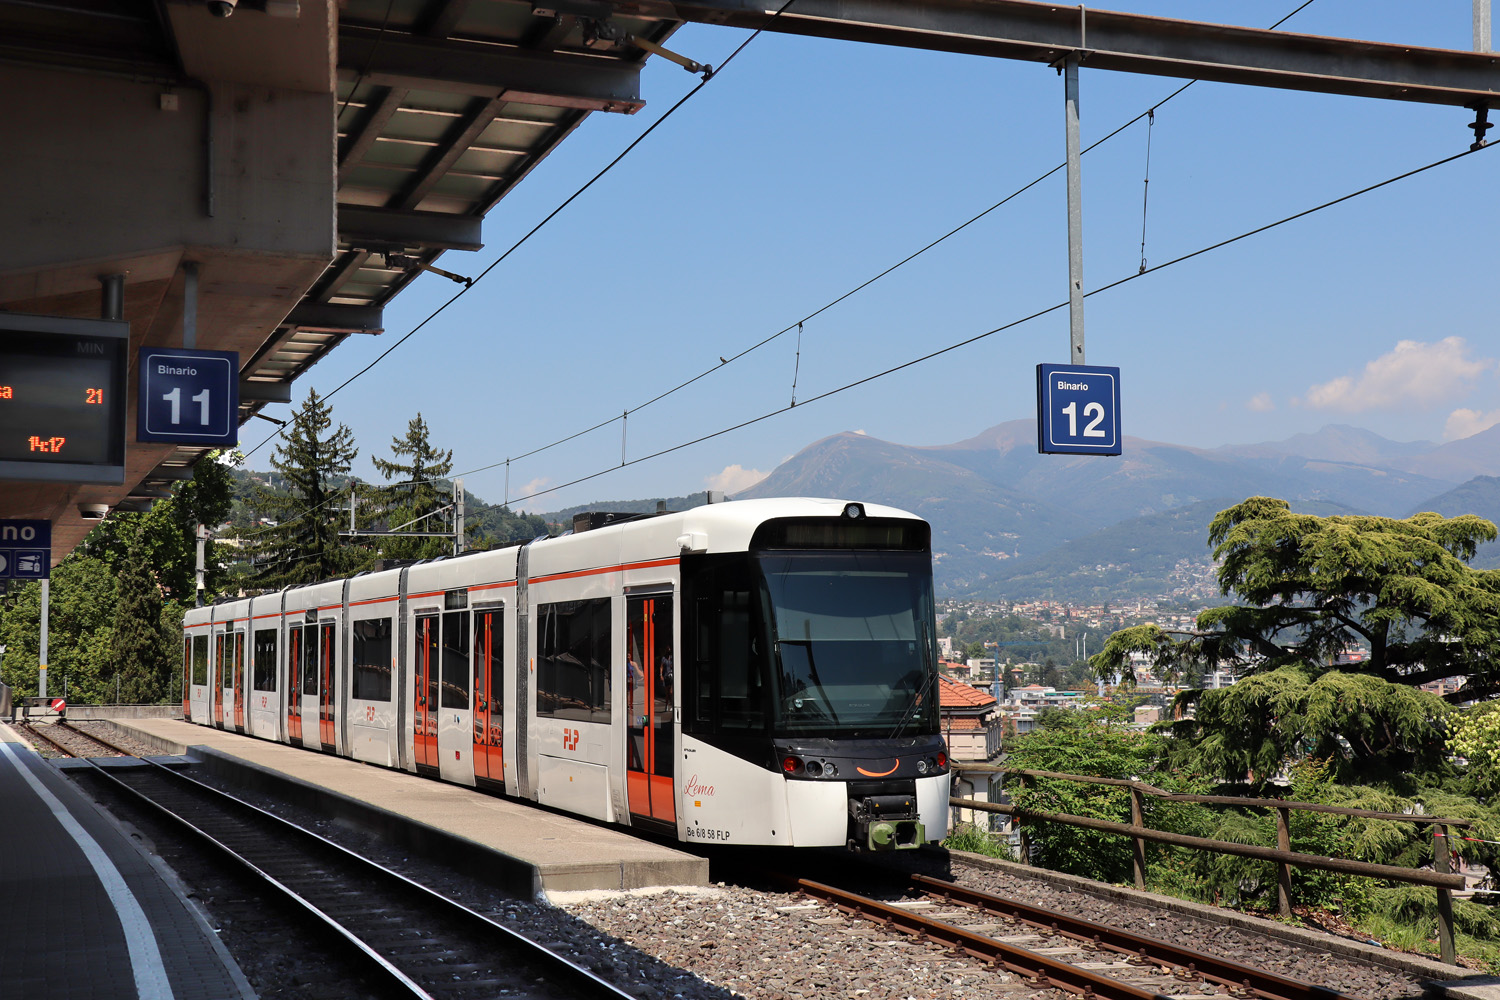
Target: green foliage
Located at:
point(1072, 743)
point(968, 837)
point(80, 628)
point(135, 656)
point(1368, 729)
point(1476, 738)
point(1313, 586)
point(304, 545)
point(413, 497)
point(168, 533)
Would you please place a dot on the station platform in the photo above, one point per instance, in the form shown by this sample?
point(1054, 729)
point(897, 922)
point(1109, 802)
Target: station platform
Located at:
point(518, 847)
point(87, 914)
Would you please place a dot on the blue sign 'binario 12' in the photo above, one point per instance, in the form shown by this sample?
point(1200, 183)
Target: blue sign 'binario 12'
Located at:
point(188, 396)
point(1077, 410)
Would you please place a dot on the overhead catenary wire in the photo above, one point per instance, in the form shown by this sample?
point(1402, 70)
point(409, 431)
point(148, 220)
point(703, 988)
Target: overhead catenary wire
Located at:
point(1149, 114)
point(999, 329)
point(798, 325)
point(725, 361)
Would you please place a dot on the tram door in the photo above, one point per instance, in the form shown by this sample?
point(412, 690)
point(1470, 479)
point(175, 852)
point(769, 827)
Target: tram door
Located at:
point(238, 681)
point(294, 684)
point(649, 699)
point(187, 677)
point(428, 661)
point(489, 694)
point(216, 680)
point(326, 658)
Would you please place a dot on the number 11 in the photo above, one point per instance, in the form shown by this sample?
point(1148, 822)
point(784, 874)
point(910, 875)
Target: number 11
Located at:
point(175, 398)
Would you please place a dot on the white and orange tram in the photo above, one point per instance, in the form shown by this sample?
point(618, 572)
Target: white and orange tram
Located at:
point(760, 672)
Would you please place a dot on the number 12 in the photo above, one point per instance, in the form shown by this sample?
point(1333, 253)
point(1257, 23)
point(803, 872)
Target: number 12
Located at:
point(1091, 430)
point(175, 398)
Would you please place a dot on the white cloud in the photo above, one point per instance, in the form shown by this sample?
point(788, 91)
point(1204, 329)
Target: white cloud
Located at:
point(735, 478)
point(1414, 374)
point(535, 488)
point(1260, 403)
point(1467, 423)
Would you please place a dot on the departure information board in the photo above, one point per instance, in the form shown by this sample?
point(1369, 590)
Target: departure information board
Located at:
point(62, 398)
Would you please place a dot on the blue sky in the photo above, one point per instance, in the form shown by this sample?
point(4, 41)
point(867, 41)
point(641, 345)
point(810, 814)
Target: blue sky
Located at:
point(808, 166)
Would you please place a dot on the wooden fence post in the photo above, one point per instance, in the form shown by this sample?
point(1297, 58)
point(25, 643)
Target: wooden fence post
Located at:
point(1138, 855)
point(1021, 825)
point(1440, 856)
point(1283, 870)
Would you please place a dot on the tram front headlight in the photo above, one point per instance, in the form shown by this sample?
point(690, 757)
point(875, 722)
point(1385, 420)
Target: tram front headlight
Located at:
point(814, 769)
point(922, 766)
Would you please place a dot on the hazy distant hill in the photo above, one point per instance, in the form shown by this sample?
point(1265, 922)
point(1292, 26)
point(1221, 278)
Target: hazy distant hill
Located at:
point(977, 525)
point(1480, 495)
point(1008, 521)
point(1163, 554)
point(1336, 443)
point(1459, 460)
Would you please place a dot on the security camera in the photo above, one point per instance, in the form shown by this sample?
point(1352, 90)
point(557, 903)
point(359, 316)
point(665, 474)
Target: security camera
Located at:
point(221, 8)
point(93, 511)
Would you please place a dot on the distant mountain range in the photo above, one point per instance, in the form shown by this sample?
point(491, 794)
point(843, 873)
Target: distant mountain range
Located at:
point(1008, 522)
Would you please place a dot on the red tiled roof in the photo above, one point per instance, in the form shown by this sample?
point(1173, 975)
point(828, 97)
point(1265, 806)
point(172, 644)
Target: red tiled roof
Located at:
point(955, 695)
point(957, 725)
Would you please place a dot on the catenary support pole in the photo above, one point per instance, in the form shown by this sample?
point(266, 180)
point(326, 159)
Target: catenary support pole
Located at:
point(1484, 38)
point(1075, 214)
point(190, 305)
point(201, 535)
point(458, 516)
point(41, 682)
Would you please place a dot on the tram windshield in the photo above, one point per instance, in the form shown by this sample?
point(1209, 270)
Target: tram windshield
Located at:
point(852, 638)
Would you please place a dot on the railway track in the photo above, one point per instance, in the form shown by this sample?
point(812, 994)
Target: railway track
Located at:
point(1056, 950)
point(62, 739)
point(397, 937)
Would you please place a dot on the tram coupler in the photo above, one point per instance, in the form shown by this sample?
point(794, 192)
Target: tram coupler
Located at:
point(897, 835)
point(885, 822)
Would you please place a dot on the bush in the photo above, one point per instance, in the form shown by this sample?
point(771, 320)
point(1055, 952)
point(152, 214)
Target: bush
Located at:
point(968, 837)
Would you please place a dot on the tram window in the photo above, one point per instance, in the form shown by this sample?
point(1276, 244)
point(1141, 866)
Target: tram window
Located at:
point(309, 659)
point(573, 661)
point(372, 659)
point(265, 659)
point(200, 659)
point(239, 660)
point(455, 659)
point(740, 705)
point(489, 656)
point(723, 681)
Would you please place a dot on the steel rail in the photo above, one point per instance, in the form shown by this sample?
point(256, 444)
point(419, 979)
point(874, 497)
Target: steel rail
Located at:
point(36, 731)
point(1041, 970)
point(393, 978)
point(579, 982)
point(1220, 970)
point(97, 739)
point(63, 748)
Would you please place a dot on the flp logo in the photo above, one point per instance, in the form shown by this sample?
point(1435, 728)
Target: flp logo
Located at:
point(570, 739)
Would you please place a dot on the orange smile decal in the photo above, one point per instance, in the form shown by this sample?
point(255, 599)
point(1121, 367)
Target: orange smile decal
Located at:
point(878, 774)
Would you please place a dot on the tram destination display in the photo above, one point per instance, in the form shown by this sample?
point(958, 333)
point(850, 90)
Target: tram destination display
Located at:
point(62, 398)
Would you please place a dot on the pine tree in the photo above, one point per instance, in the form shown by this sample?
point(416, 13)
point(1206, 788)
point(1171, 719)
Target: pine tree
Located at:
point(414, 494)
point(304, 545)
point(135, 653)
